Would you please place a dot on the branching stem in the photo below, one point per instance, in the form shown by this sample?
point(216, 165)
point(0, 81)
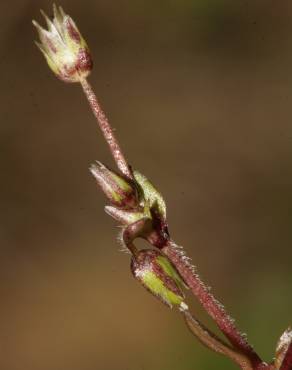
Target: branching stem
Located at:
point(240, 351)
point(144, 216)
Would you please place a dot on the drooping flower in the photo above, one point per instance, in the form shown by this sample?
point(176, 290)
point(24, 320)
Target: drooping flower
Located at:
point(64, 48)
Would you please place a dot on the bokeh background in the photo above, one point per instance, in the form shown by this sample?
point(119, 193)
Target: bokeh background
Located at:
point(200, 95)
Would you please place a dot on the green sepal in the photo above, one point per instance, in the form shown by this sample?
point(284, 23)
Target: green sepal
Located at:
point(150, 194)
point(169, 270)
point(156, 287)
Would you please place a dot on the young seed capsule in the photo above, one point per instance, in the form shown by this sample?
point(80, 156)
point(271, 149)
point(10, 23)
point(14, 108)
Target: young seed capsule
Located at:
point(156, 273)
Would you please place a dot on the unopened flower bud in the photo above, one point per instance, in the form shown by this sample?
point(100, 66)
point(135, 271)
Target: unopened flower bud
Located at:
point(120, 192)
point(159, 277)
point(284, 345)
point(64, 48)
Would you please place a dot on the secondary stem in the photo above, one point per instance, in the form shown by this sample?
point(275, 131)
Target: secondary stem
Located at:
point(106, 129)
point(213, 342)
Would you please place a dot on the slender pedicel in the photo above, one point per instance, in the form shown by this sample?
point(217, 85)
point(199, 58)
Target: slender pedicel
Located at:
point(106, 130)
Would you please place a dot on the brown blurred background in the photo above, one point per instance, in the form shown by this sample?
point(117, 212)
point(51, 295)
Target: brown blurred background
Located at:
point(200, 94)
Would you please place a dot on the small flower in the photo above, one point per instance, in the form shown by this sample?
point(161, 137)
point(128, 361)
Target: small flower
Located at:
point(120, 192)
point(159, 277)
point(64, 48)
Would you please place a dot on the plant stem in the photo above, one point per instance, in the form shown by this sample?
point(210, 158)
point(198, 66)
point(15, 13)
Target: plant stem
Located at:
point(287, 362)
point(106, 130)
point(210, 304)
point(213, 342)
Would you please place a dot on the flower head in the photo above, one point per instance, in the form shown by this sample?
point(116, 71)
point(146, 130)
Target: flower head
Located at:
point(64, 48)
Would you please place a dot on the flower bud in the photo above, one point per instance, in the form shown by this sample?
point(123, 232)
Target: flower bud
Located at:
point(64, 48)
point(159, 277)
point(120, 192)
point(284, 345)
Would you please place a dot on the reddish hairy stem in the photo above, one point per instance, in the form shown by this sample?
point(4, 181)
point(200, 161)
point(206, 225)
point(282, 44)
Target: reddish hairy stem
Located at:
point(106, 130)
point(287, 362)
point(211, 305)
